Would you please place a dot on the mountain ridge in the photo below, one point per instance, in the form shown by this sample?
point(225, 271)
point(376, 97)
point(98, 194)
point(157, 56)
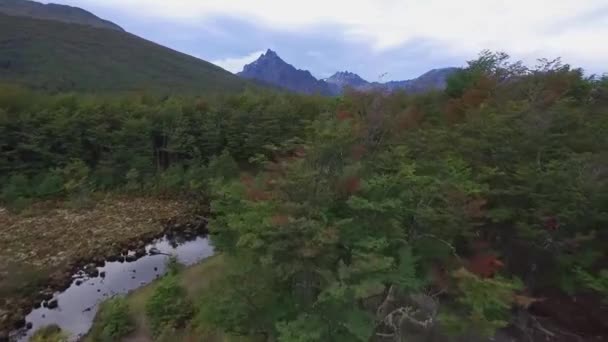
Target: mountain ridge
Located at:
point(55, 12)
point(53, 56)
point(271, 69)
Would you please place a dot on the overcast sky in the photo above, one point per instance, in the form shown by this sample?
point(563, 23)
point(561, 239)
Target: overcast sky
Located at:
point(403, 38)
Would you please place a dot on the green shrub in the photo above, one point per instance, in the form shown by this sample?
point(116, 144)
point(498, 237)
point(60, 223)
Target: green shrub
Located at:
point(170, 180)
point(169, 306)
point(223, 166)
point(133, 180)
point(174, 266)
point(113, 321)
point(49, 333)
point(49, 184)
point(16, 187)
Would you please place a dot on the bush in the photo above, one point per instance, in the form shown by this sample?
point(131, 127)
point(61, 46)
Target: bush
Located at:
point(16, 187)
point(223, 166)
point(50, 333)
point(169, 306)
point(113, 321)
point(49, 184)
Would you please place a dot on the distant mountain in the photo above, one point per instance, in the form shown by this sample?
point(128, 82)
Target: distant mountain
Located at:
point(270, 68)
point(344, 79)
point(431, 80)
point(56, 56)
point(63, 13)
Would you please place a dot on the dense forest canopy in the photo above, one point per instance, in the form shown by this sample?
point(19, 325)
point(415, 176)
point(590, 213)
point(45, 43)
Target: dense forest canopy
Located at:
point(371, 216)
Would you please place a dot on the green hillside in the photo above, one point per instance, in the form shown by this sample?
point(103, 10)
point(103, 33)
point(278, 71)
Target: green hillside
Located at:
point(57, 56)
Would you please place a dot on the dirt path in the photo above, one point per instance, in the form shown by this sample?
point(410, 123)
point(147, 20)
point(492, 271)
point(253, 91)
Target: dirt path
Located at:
point(40, 249)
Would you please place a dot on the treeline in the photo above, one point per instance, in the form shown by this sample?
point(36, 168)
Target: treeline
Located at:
point(383, 217)
point(69, 144)
point(407, 218)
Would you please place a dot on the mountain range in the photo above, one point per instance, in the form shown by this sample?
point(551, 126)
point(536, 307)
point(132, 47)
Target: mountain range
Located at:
point(41, 47)
point(269, 68)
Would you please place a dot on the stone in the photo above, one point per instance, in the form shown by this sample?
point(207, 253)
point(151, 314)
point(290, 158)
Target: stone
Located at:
point(52, 304)
point(140, 252)
point(130, 258)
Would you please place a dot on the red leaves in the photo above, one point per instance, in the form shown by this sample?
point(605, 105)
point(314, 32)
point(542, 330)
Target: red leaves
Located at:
point(254, 192)
point(454, 111)
point(474, 208)
point(349, 185)
point(410, 119)
point(299, 152)
point(344, 115)
point(484, 265)
point(201, 106)
point(279, 220)
point(551, 224)
point(358, 151)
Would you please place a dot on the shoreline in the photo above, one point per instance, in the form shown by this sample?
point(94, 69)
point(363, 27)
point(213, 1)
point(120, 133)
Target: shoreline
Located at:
point(14, 307)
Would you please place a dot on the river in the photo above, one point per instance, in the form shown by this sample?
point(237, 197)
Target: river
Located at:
point(78, 304)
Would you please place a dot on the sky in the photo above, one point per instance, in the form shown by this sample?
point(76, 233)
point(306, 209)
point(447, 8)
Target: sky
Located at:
point(400, 39)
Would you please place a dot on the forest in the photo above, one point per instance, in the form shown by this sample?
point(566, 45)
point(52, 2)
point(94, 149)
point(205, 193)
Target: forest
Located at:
point(463, 214)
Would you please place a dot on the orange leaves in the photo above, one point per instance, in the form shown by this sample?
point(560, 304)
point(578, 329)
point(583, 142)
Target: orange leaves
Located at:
point(201, 105)
point(254, 191)
point(472, 98)
point(343, 115)
point(484, 265)
point(454, 111)
point(524, 302)
point(474, 208)
point(411, 118)
point(329, 235)
point(279, 220)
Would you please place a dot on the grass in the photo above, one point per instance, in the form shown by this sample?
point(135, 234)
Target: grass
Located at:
point(195, 280)
point(56, 56)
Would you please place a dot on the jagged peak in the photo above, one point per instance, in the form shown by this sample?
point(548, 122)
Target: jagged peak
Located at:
point(270, 52)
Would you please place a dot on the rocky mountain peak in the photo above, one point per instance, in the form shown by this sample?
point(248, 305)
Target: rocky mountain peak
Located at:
point(271, 69)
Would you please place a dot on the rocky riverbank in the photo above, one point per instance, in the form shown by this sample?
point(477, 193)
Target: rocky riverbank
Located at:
point(40, 250)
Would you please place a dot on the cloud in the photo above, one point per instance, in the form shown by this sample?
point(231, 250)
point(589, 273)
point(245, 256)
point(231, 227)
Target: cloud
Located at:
point(235, 64)
point(527, 29)
point(314, 54)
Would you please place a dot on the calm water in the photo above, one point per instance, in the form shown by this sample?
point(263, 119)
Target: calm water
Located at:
point(78, 303)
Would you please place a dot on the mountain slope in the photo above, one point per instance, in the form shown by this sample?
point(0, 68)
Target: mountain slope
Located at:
point(63, 13)
point(270, 68)
point(57, 56)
